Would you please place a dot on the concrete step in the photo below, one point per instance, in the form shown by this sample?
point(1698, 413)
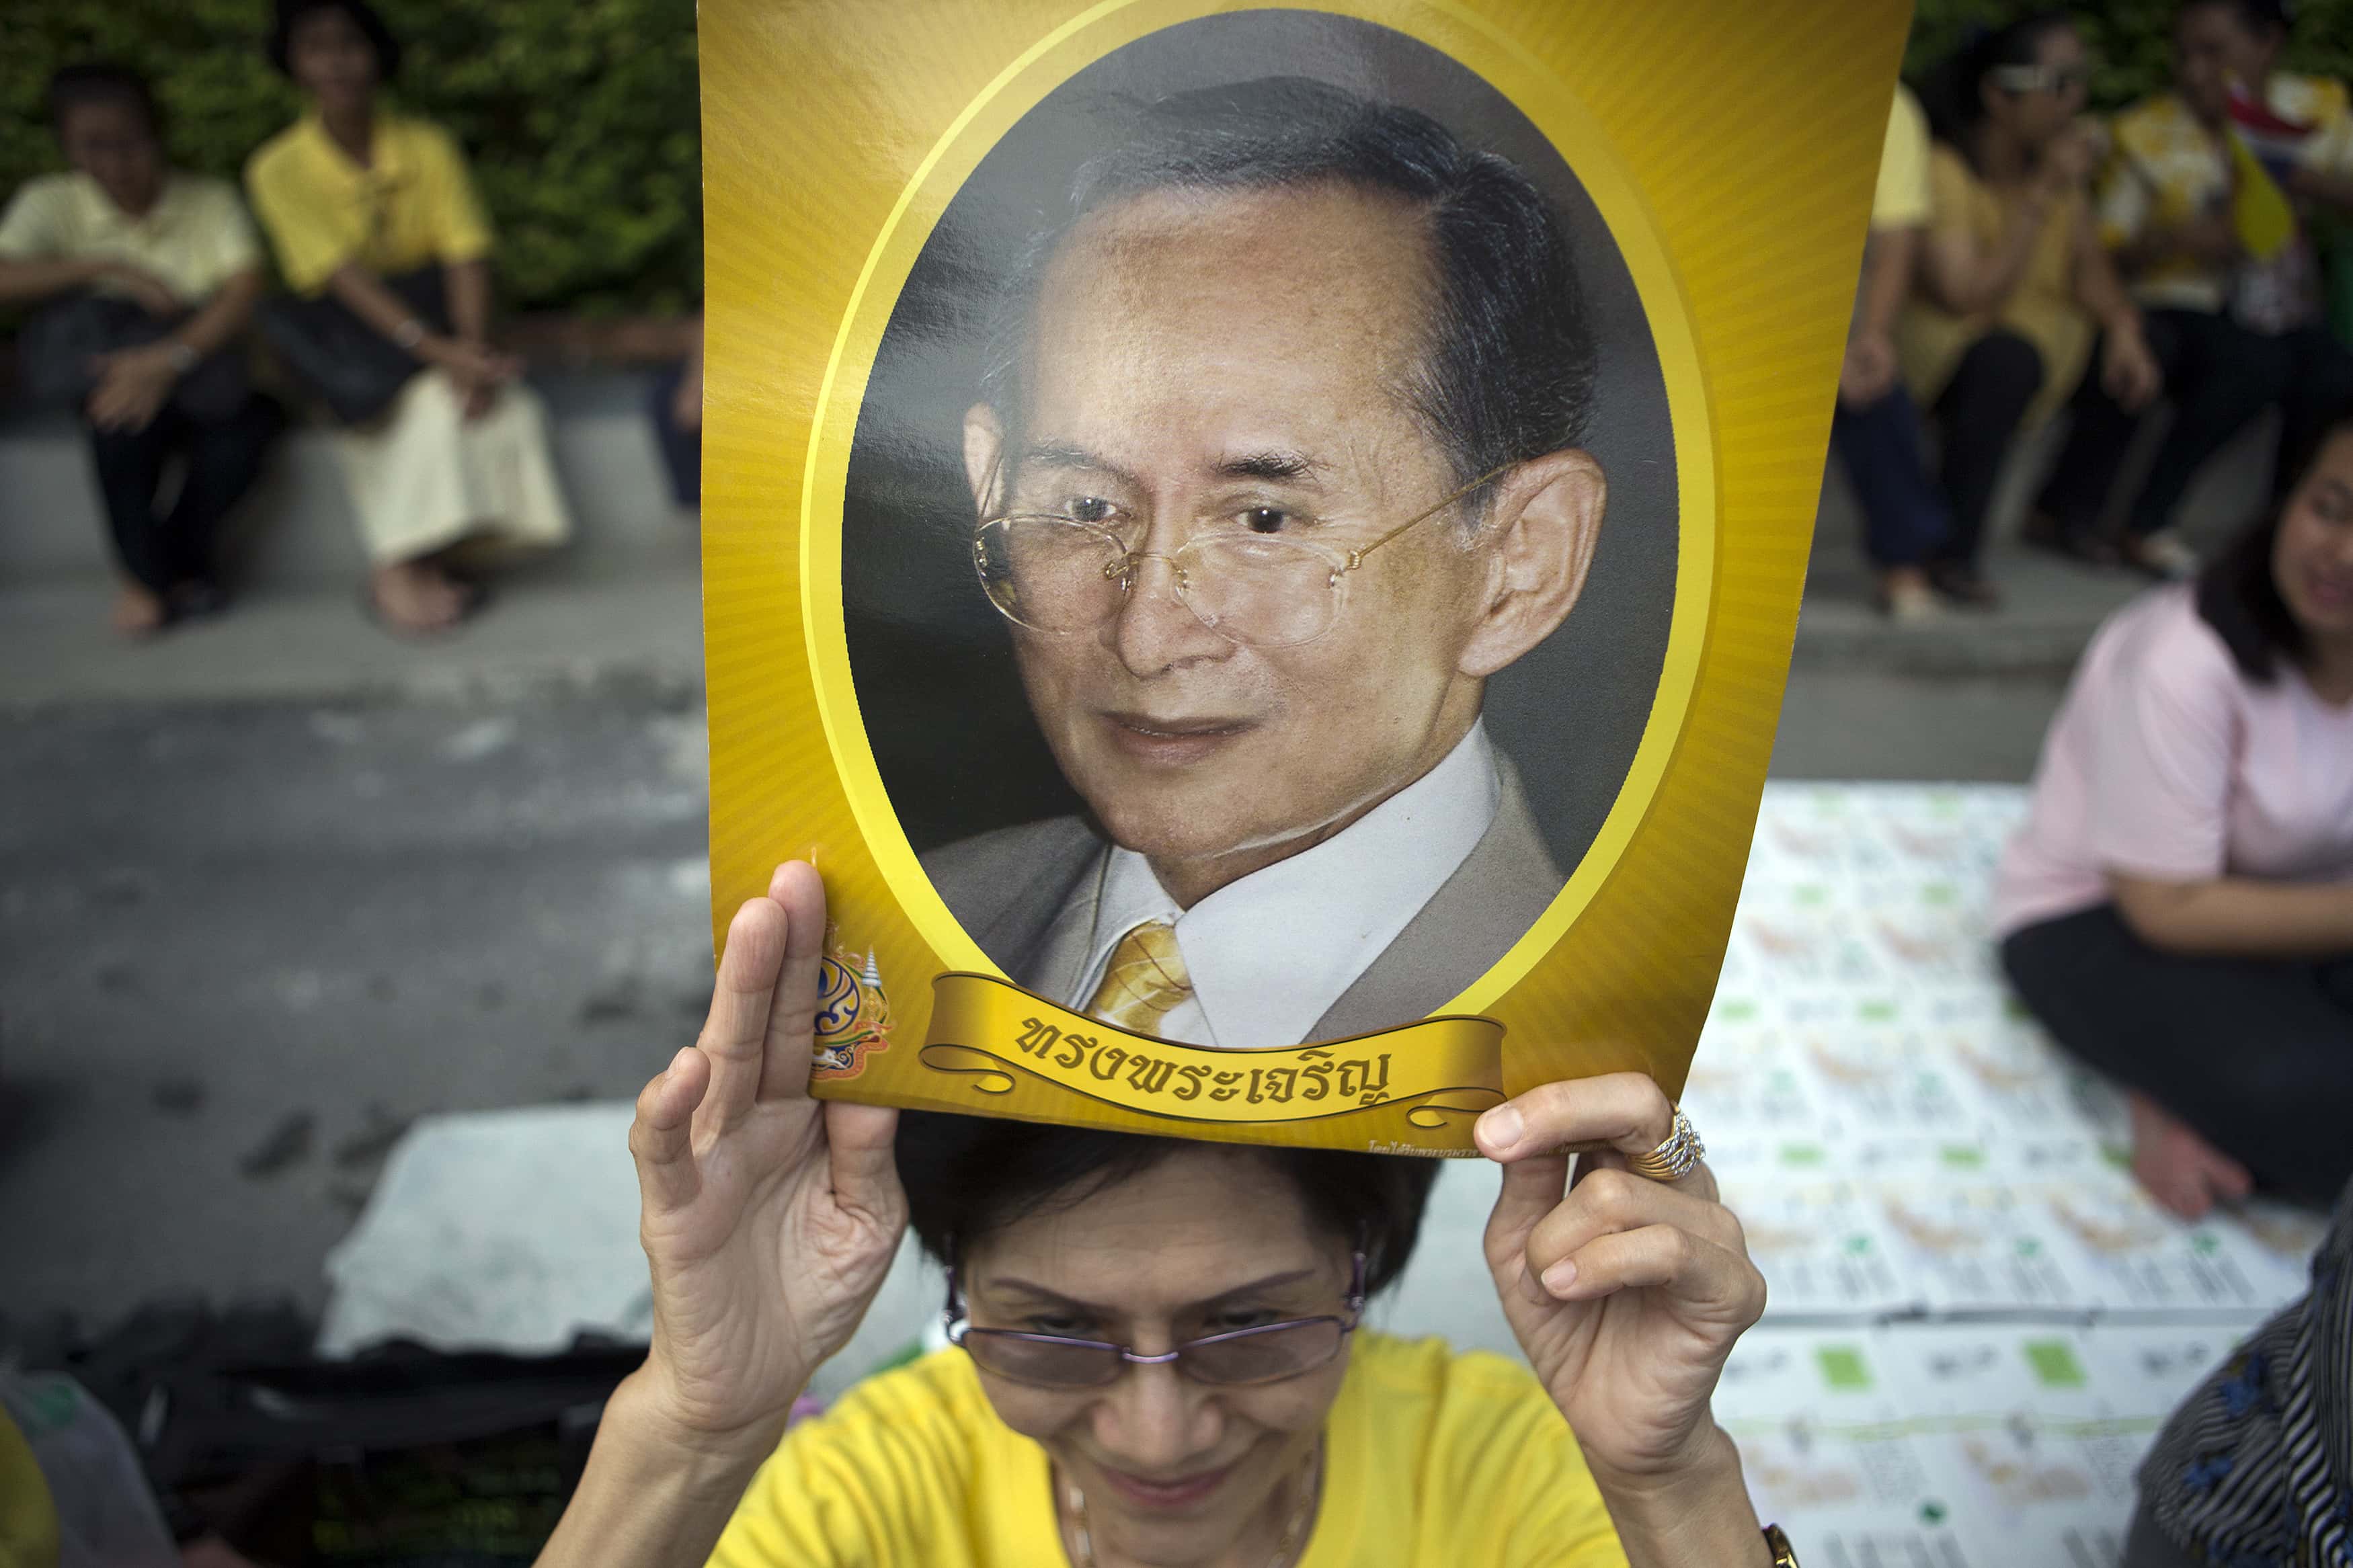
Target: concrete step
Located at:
point(297, 528)
point(591, 625)
point(2051, 607)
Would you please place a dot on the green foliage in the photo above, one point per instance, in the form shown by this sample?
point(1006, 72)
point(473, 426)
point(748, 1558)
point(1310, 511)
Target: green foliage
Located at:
point(580, 116)
point(2131, 39)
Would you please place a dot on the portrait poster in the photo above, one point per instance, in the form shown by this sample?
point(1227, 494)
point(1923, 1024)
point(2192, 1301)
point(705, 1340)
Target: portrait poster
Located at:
point(1256, 549)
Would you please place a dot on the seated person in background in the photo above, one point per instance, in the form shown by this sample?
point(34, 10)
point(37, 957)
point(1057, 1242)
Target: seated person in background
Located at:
point(1876, 427)
point(2177, 909)
point(2299, 130)
point(376, 211)
point(2012, 280)
point(175, 255)
point(1158, 1357)
point(674, 404)
point(2231, 334)
point(2257, 1465)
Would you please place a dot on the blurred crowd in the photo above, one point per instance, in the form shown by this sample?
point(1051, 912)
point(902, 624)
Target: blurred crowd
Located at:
point(2027, 260)
point(149, 287)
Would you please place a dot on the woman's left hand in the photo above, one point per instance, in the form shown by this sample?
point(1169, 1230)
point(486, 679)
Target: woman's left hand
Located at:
point(1626, 1293)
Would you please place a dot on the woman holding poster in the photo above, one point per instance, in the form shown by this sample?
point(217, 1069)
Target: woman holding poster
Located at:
point(1158, 1357)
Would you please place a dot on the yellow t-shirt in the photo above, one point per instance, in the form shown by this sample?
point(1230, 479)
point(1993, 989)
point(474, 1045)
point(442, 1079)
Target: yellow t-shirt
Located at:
point(28, 1516)
point(1431, 1461)
point(2167, 168)
point(2042, 309)
point(411, 206)
point(1902, 199)
point(194, 238)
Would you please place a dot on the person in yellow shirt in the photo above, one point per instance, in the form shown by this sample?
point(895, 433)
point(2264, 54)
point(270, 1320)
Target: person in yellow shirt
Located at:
point(2204, 177)
point(157, 272)
point(2013, 284)
point(378, 232)
point(1875, 430)
point(1158, 1352)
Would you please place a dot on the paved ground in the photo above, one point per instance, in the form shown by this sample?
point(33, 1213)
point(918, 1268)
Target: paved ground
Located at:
point(274, 887)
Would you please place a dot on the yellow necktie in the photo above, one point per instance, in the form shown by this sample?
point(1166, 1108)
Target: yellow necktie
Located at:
point(1145, 982)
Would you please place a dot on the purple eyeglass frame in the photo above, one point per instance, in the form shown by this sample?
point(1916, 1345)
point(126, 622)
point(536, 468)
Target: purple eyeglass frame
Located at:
point(958, 1324)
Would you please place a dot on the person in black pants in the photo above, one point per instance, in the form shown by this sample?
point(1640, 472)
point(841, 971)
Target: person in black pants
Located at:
point(674, 409)
point(2013, 280)
point(2177, 910)
point(2222, 376)
point(2256, 1055)
point(1980, 413)
point(2232, 331)
point(147, 278)
point(169, 551)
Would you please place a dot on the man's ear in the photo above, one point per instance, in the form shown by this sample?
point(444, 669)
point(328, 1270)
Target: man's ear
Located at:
point(984, 448)
point(1544, 521)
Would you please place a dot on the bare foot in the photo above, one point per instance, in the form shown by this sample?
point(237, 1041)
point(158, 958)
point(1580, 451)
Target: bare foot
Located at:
point(415, 598)
point(2185, 1174)
point(137, 612)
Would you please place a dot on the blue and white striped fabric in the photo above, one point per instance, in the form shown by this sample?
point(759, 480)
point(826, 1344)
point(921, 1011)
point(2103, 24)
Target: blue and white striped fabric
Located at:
point(2256, 1469)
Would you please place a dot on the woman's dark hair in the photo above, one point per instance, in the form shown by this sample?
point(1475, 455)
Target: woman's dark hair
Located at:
point(2240, 598)
point(2260, 17)
point(1507, 368)
point(363, 17)
point(1953, 92)
point(966, 1176)
point(102, 82)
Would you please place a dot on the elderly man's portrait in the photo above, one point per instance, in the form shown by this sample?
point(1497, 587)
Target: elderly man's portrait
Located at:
point(1260, 536)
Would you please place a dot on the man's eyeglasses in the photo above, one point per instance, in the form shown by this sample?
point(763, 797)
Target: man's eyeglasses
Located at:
point(1267, 1353)
point(1062, 575)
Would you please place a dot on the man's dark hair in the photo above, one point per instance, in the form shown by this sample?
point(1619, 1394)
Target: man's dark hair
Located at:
point(102, 82)
point(363, 17)
point(1507, 372)
point(2240, 598)
point(2256, 18)
point(967, 1176)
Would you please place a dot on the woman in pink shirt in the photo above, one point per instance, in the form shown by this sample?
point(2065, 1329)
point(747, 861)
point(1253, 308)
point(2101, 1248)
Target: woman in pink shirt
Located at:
point(2177, 909)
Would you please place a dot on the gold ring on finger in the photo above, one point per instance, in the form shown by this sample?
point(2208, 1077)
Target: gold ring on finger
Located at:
point(1674, 1159)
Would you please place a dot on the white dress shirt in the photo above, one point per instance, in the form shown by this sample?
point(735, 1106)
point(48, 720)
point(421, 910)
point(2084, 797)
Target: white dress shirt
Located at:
point(1270, 954)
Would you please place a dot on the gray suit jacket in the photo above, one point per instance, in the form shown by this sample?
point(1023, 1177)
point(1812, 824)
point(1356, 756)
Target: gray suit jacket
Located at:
point(1007, 888)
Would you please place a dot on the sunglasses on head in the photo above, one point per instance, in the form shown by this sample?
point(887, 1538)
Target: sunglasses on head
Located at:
point(2043, 78)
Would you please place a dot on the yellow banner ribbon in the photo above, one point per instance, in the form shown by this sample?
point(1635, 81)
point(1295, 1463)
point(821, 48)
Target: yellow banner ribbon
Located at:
point(1441, 1071)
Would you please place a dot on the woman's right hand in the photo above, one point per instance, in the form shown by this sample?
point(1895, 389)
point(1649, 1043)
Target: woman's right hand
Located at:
point(471, 364)
point(2068, 162)
point(769, 1218)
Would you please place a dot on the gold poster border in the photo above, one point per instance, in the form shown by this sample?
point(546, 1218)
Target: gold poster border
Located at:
point(1469, 41)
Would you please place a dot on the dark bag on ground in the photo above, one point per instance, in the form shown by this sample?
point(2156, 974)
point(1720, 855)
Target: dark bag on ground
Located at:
point(60, 339)
point(347, 364)
point(402, 1456)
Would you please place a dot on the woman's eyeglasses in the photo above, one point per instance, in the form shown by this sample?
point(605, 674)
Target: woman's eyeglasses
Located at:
point(1267, 1353)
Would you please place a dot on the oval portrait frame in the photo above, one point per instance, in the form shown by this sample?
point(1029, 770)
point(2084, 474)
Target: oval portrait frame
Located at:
point(1574, 136)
